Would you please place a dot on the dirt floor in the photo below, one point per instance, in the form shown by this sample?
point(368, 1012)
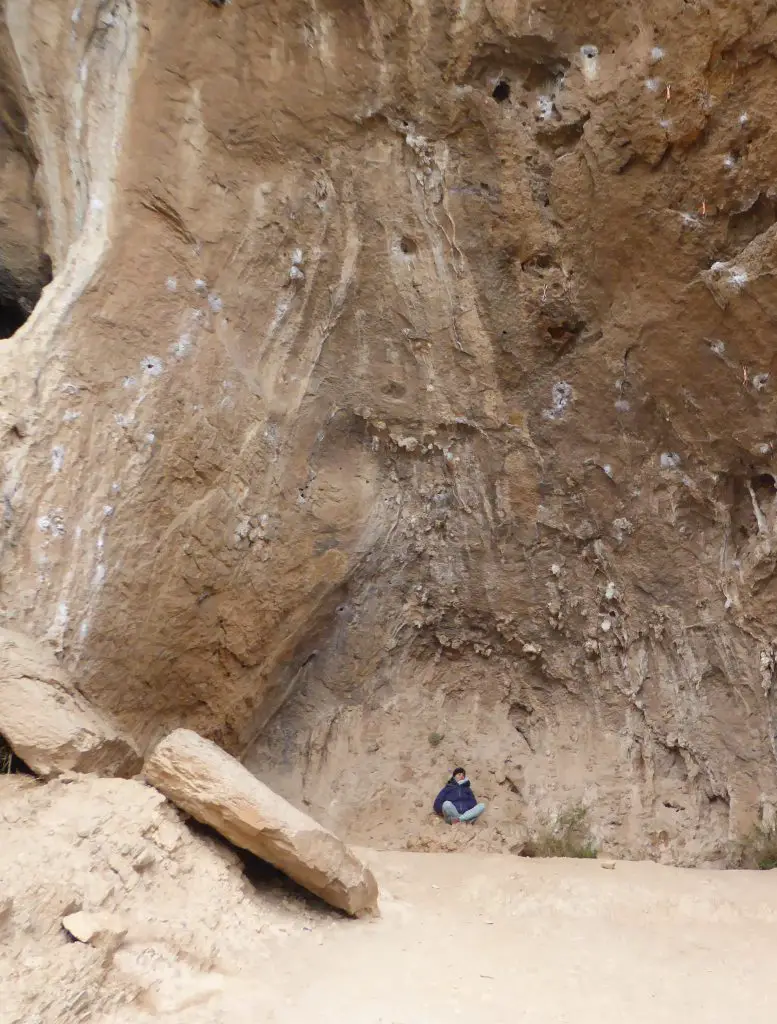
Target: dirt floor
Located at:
point(206, 937)
point(500, 940)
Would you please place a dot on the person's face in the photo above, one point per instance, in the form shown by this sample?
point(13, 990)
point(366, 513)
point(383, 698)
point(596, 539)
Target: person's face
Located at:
point(459, 776)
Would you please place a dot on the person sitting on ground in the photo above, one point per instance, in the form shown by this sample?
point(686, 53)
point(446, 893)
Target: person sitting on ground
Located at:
point(456, 802)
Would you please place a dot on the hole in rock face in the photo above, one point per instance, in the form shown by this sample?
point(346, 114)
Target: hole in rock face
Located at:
point(501, 91)
point(12, 316)
point(764, 485)
point(10, 764)
point(407, 245)
point(19, 295)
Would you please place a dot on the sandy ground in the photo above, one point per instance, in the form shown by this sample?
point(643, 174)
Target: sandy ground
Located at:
point(494, 939)
point(499, 940)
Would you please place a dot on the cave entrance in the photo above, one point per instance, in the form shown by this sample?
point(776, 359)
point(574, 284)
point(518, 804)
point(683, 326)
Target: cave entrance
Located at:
point(19, 296)
point(12, 317)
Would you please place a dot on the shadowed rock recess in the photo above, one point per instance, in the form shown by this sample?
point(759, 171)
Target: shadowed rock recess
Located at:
point(404, 396)
point(25, 266)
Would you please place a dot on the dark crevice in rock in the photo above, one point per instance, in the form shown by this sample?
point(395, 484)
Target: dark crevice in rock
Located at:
point(501, 91)
point(25, 266)
point(18, 300)
point(748, 224)
point(10, 764)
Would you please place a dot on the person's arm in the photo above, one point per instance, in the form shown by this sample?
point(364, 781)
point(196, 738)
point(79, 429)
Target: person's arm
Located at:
point(440, 799)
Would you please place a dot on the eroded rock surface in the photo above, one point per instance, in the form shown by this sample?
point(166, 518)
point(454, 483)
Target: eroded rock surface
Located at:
point(218, 791)
point(407, 372)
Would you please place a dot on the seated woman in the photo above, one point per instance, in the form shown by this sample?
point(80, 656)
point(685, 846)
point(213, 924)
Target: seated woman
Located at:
point(456, 802)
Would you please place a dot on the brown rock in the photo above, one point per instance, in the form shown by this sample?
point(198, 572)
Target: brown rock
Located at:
point(217, 790)
point(50, 726)
point(330, 376)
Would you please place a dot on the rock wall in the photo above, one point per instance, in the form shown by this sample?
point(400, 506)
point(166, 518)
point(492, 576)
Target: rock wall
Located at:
point(404, 394)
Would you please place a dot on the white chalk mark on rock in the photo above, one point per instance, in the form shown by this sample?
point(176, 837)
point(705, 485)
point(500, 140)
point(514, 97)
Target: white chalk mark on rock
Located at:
point(561, 395)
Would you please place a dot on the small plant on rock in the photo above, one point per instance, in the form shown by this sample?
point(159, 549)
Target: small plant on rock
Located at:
point(566, 835)
point(436, 738)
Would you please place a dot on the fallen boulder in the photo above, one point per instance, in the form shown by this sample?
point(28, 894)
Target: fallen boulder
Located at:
point(211, 786)
point(47, 723)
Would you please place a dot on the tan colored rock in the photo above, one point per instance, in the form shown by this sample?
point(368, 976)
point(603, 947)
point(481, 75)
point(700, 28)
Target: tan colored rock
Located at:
point(217, 790)
point(47, 723)
point(329, 378)
point(6, 910)
point(102, 930)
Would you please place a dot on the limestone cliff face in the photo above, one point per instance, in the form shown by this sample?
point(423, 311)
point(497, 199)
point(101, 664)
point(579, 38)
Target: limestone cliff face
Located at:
point(406, 372)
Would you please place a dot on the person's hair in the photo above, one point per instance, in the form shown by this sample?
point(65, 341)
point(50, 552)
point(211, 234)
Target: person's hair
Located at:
point(457, 771)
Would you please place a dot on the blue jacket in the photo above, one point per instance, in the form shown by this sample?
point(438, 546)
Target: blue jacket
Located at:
point(459, 794)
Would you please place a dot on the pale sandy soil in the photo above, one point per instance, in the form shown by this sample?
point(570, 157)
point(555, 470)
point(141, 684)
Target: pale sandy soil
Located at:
point(500, 940)
point(492, 939)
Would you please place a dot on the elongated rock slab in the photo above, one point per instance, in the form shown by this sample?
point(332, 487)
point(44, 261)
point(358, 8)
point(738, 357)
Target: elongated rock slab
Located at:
point(206, 782)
